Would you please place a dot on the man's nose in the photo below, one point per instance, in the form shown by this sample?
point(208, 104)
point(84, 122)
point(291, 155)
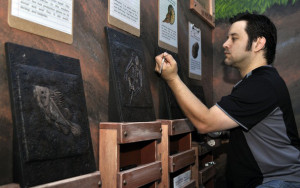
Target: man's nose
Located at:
point(226, 44)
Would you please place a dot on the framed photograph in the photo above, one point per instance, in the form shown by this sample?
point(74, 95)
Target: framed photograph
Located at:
point(205, 9)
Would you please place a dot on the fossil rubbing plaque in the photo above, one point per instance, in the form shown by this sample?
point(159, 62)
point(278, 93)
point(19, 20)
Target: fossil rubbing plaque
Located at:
point(130, 98)
point(168, 106)
point(51, 131)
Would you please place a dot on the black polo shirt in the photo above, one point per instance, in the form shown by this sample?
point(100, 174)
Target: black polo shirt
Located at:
point(266, 145)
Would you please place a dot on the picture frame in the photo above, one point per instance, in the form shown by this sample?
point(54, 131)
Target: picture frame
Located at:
point(205, 9)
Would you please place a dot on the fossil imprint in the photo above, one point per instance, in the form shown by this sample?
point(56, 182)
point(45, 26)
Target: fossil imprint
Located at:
point(134, 76)
point(52, 105)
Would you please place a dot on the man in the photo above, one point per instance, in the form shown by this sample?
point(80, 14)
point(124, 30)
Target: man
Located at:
point(264, 147)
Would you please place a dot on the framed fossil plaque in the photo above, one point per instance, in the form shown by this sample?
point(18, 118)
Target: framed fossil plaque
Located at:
point(130, 98)
point(51, 131)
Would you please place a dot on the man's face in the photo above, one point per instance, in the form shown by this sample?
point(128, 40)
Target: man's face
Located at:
point(236, 44)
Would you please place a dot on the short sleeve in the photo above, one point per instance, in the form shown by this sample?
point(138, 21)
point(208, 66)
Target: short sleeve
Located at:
point(250, 102)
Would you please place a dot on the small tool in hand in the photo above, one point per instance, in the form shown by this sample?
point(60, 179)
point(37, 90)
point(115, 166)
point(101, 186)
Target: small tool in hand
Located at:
point(162, 65)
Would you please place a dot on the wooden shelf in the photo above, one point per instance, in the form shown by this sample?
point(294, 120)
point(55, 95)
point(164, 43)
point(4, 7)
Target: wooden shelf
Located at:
point(128, 154)
point(141, 175)
point(176, 151)
point(91, 180)
point(11, 185)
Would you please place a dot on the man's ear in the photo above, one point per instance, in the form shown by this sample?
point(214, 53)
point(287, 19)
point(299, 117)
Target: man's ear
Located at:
point(260, 44)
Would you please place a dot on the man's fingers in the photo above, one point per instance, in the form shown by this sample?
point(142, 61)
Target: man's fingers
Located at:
point(168, 57)
point(161, 60)
point(161, 65)
point(159, 57)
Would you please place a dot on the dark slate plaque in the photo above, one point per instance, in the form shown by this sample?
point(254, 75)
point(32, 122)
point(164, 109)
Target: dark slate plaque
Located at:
point(168, 106)
point(130, 98)
point(51, 131)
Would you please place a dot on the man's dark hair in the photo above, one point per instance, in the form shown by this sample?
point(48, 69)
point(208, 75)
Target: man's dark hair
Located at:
point(259, 26)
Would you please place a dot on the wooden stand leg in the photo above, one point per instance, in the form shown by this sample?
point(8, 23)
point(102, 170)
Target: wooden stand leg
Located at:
point(195, 167)
point(108, 160)
point(164, 147)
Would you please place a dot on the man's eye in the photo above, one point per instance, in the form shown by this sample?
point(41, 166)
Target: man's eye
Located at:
point(233, 39)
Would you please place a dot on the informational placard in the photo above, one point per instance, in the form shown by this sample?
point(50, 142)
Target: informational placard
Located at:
point(195, 56)
point(125, 15)
point(167, 25)
point(48, 18)
point(182, 179)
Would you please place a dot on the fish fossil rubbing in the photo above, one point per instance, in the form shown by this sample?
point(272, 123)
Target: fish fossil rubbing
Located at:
point(52, 105)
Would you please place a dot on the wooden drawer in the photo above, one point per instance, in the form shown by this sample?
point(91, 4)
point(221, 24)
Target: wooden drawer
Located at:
point(178, 126)
point(191, 184)
point(91, 180)
point(134, 132)
point(206, 174)
point(140, 175)
point(181, 160)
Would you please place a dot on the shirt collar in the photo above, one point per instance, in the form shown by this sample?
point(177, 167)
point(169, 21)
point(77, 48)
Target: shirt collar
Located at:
point(249, 74)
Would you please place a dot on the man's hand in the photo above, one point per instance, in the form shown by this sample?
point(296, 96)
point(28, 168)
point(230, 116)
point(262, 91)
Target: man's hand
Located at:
point(169, 69)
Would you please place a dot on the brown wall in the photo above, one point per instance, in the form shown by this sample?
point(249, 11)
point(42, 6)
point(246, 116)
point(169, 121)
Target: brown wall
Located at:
point(90, 47)
point(287, 19)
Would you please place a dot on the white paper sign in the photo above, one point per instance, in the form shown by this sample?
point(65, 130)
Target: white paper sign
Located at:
point(195, 60)
point(126, 11)
point(168, 22)
point(55, 14)
point(182, 179)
